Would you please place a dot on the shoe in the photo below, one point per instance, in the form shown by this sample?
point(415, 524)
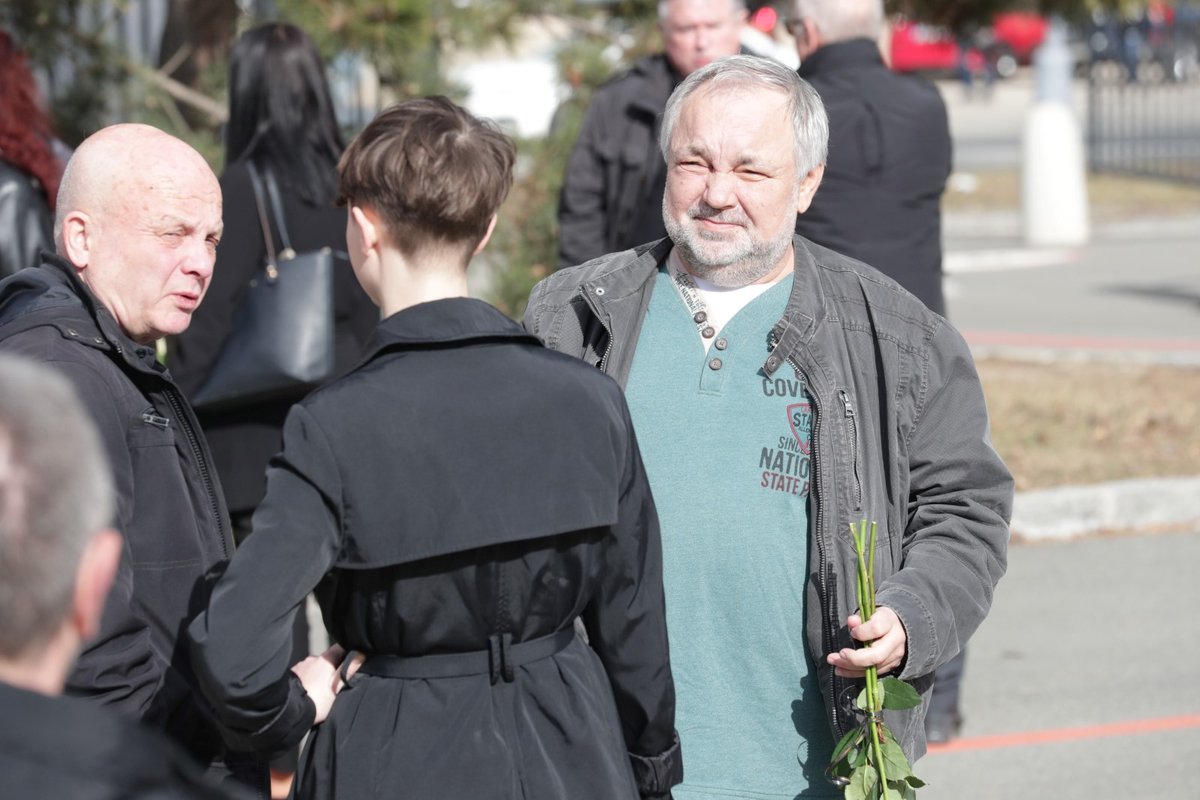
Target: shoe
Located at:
point(941, 728)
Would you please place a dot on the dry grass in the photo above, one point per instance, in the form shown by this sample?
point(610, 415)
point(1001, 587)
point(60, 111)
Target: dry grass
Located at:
point(1081, 423)
point(1062, 424)
point(1111, 197)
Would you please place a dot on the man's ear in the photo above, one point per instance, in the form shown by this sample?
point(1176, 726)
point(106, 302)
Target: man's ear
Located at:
point(93, 579)
point(483, 242)
point(808, 188)
point(812, 34)
point(77, 238)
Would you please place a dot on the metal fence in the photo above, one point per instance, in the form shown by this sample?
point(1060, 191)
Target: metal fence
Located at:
point(1144, 117)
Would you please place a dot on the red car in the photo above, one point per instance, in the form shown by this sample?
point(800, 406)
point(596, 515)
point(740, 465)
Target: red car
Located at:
point(1007, 43)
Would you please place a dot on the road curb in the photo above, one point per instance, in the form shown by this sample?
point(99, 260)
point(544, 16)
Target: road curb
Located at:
point(1132, 506)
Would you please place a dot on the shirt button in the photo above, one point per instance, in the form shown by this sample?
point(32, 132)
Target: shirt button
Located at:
point(721, 343)
point(700, 317)
point(715, 364)
point(708, 332)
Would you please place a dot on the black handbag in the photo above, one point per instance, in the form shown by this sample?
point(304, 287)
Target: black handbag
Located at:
point(282, 341)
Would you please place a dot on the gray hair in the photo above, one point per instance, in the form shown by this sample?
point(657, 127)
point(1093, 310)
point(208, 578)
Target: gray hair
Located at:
point(56, 491)
point(809, 121)
point(664, 6)
point(840, 20)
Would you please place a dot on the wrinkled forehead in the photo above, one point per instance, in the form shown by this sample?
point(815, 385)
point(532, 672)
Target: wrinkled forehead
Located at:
point(160, 188)
point(739, 102)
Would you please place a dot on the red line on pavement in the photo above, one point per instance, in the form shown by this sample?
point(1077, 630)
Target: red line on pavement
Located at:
point(1068, 734)
point(1067, 340)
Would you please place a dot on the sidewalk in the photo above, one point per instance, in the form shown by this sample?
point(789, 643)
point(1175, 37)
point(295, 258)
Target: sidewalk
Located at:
point(1131, 294)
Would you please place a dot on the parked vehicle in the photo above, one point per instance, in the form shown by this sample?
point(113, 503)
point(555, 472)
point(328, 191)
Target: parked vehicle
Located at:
point(1001, 47)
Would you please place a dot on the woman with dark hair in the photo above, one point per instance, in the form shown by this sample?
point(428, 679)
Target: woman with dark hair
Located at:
point(281, 121)
point(29, 169)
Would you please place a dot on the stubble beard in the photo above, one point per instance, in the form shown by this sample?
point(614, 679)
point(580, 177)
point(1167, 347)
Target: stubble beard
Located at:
point(719, 258)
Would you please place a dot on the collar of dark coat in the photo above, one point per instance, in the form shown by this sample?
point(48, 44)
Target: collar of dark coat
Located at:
point(453, 321)
point(659, 79)
point(805, 307)
point(840, 56)
point(70, 736)
point(55, 287)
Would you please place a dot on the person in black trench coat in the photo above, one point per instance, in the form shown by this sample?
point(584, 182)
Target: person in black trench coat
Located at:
point(456, 501)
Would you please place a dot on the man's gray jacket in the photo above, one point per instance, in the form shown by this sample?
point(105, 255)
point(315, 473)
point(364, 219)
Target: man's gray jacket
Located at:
point(900, 438)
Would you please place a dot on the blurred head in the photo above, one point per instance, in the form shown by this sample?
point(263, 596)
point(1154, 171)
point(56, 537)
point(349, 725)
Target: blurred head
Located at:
point(816, 23)
point(280, 110)
point(57, 555)
point(745, 141)
point(698, 32)
point(430, 175)
point(25, 131)
point(139, 216)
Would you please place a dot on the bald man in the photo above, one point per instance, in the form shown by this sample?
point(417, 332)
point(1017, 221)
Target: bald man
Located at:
point(136, 233)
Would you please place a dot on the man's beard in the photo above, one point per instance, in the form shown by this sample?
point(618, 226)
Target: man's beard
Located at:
point(724, 262)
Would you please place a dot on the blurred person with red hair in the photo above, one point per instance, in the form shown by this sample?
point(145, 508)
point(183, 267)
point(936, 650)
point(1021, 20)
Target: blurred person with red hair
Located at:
point(29, 169)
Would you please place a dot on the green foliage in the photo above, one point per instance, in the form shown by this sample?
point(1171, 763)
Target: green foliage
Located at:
point(898, 695)
point(868, 762)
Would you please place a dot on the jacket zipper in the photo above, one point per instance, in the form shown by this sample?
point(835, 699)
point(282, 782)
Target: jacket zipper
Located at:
point(853, 422)
point(587, 298)
point(828, 622)
point(205, 475)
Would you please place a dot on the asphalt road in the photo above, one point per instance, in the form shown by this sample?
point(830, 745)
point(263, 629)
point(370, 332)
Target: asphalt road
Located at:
point(1084, 682)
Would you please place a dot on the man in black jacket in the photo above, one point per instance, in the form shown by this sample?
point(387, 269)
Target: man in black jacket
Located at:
point(889, 148)
point(139, 218)
point(57, 561)
point(613, 188)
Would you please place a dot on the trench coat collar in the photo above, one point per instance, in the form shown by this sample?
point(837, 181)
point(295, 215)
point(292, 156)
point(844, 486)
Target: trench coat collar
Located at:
point(452, 321)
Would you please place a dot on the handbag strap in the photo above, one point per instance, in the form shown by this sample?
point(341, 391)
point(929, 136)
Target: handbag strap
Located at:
point(277, 206)
point(256, 184)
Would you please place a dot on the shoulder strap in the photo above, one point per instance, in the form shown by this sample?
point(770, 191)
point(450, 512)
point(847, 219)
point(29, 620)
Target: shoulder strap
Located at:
point(256, 183)
point(277, 206)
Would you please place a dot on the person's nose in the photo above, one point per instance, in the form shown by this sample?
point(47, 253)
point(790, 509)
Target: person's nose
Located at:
point(703, 40)
point(199, 259)
point(719, 190)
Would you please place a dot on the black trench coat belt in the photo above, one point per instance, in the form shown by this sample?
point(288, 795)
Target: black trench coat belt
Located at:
point(497, 661)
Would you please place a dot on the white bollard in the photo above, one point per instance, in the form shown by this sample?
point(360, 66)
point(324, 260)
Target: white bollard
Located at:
point(1054, 205)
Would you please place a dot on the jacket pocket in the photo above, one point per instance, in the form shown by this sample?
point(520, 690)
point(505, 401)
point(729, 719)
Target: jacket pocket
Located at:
point(851, 452)
point(162, 530)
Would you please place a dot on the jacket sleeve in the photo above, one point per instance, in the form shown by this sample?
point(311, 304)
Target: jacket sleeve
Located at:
point(242, 643)
point(582, 202)
point(193, 353)
point(627, 627)
point(960, 500)
point(25, 220)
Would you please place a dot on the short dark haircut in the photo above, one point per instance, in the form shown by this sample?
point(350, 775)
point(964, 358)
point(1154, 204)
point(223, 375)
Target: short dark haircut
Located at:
point(433, 173)
point(280, 110)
